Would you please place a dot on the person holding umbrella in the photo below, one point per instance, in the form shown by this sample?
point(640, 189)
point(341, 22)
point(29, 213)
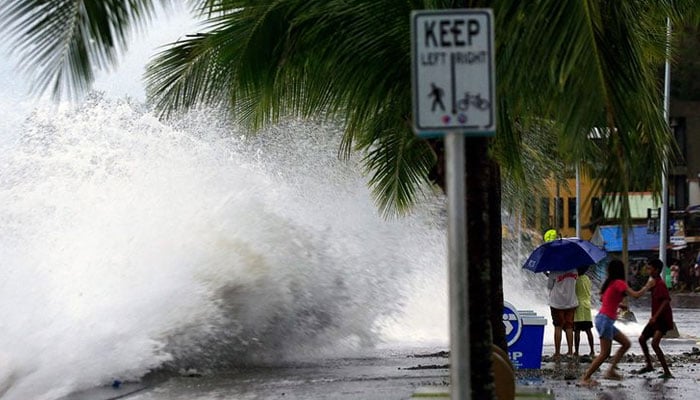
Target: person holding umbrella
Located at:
point(558, 258)
point(562, 302)
point(612, 292)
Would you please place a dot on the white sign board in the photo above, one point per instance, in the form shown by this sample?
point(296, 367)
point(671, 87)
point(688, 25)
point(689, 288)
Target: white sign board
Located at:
point(453, 70)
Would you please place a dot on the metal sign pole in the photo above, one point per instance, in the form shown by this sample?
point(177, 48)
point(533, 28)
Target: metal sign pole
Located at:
point(458, 276)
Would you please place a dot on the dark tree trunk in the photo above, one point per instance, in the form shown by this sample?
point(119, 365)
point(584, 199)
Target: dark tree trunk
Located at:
point(479, 255)
point(483, 211)
point(495, 246)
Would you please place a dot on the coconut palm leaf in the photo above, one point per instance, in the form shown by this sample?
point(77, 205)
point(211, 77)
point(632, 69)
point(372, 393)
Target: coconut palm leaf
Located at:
point(63, 42)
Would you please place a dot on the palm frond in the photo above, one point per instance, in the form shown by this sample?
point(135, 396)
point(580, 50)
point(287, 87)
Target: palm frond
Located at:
point(398, 162)
point(61, 43)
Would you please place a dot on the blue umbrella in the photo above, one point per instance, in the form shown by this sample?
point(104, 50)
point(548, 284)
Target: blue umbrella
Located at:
point(563, 255)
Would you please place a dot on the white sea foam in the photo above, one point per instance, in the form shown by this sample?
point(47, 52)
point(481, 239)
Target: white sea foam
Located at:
point(128, 246)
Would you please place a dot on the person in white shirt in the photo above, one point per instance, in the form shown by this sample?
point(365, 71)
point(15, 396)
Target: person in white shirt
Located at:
point(562, 304)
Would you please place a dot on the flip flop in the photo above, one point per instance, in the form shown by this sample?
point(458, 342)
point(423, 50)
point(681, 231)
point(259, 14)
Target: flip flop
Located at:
point(588, 383)
point(613, 376)
point(665, 376)
point(643, 370)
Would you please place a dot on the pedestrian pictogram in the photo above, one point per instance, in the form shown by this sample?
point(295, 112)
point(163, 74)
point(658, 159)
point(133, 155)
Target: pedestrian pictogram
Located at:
point(436, 93)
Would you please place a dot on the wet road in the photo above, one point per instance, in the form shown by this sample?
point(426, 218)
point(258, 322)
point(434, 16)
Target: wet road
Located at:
point(388, 375)
point(397, 374)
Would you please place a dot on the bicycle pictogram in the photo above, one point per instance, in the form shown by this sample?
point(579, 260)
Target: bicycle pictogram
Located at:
point(473, 100)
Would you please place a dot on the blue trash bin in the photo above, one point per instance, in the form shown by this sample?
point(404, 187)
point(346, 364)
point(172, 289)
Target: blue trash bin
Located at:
point(524, 335)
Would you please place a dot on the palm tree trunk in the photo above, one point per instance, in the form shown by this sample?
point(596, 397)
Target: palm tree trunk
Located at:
point(483, 256)
point(495, 239)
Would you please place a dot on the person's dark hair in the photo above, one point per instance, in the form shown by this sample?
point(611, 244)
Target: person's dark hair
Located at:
point(616, 270)
point(657, 264)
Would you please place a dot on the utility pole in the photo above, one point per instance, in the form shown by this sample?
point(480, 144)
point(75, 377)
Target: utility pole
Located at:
point(578, 202)
point(663, 220)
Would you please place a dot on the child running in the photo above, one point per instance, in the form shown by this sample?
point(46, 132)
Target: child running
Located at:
point(582, 317)
point(660, 322)
point(612, 292)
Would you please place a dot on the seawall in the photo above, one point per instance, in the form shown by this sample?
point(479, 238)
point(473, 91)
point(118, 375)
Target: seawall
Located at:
point(678, 300)
point(685, 300)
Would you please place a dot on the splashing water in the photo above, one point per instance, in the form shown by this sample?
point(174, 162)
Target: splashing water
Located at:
point(130, 246)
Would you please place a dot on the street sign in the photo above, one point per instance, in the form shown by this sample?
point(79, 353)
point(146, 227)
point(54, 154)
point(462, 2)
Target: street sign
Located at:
point(453, 72)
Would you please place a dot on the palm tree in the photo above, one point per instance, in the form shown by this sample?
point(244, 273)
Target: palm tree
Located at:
point(569, 66)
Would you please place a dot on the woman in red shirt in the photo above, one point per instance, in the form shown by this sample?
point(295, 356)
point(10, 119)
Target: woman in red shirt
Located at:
point(613, 291)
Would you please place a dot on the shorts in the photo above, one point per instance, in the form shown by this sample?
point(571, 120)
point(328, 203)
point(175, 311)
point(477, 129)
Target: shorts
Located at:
point(605, 326)
point(563, 318)
point(649, 329)
point(582, 325)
